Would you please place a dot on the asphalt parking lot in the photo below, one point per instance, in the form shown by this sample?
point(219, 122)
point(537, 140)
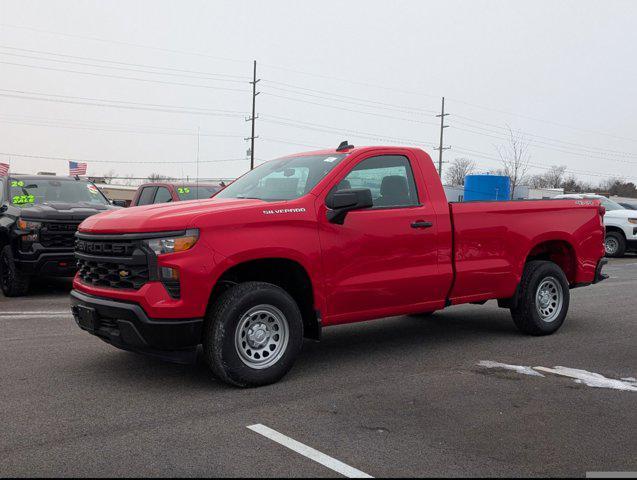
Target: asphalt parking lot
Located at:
point(403, 396)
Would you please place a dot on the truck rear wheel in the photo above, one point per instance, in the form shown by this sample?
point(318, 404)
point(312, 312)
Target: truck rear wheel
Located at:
point(615, 245)
point(543, 299)
point(253, 334)
point(13, 282)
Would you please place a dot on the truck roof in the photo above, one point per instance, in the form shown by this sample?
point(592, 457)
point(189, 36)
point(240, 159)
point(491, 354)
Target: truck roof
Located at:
point(44, 177)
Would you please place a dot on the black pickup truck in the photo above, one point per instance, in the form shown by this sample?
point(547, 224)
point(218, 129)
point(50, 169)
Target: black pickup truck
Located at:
point(39, 216)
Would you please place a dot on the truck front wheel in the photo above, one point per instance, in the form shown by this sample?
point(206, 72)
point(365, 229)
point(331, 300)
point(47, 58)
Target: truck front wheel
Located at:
point(13, 282)
point(543, 299)
point(615, 245)
point(253, 334)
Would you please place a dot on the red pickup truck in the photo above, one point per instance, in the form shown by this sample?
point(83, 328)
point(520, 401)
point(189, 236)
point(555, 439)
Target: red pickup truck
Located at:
point(321, 239)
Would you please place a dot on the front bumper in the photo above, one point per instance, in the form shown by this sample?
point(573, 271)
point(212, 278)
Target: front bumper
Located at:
point(54, 264)
point(125, 325)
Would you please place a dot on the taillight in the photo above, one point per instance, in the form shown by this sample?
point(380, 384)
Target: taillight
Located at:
point(602, 210)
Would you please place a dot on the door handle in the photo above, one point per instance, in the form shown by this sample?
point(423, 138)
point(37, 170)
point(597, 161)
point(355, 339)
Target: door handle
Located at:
point(421, 224)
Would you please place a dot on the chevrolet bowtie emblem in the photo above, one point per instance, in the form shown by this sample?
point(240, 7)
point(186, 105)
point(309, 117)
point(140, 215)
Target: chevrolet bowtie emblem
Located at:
point(124, 273)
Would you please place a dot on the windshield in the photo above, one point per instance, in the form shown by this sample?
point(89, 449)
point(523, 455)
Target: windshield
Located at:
point(282, 179)
point(34, 192)
point(195, 193)
point(610, 205)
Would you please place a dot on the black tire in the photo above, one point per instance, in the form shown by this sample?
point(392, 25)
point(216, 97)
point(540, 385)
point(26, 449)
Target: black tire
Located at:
point(225, 320)
point(527, 314)
point(619, 244)
point(13, 282)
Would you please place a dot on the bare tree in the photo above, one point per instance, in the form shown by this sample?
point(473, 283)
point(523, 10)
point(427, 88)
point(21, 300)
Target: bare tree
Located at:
point(458, 170)
point(552, 178)
point(515, 157)
point(108, 176)
point(158, 177)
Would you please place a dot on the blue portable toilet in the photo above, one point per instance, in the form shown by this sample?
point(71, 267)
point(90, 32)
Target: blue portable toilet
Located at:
point(487, 188)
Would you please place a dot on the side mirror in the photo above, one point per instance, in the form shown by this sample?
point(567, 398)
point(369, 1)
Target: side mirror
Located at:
point(342, 201)
point(119, 203)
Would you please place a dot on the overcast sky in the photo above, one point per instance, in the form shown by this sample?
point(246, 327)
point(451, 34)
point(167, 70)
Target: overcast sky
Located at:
point(371, 72)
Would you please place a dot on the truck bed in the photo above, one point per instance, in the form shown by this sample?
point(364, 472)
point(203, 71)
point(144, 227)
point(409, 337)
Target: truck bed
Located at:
point(492, 241)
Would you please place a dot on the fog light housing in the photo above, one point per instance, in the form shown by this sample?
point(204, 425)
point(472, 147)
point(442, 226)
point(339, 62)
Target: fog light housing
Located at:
point(170, 279)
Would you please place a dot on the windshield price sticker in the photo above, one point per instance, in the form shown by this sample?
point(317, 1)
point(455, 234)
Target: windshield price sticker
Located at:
point(183, 190)
point(92, 189)
point(17, 183)
point(23, 199)
point(330, 159)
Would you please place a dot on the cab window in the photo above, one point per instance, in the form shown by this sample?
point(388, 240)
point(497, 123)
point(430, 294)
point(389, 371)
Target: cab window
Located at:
point(389, 177)
point(163, 195)
point(146, 197)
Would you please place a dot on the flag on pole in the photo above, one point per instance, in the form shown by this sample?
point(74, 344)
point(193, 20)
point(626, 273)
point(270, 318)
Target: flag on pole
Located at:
point(4, 169)
point(77, 168)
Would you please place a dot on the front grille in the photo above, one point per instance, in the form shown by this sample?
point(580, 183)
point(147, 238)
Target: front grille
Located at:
point(112, 275)
point(106, 248)
point(58, 235)
point(120, 264)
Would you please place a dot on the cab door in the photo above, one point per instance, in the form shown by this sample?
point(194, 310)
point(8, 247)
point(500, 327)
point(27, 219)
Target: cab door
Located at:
point(381, 260)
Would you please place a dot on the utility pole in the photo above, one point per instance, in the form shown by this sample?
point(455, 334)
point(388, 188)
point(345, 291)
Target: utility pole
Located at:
point(197, 183)
point(442, 129)
point(254, 115)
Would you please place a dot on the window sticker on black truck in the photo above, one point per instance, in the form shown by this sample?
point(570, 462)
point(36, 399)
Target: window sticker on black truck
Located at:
point(22, 199)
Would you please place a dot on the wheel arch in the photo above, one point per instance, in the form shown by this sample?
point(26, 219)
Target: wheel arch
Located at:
point(285, 272)
point(559, 251)
point(613, 228)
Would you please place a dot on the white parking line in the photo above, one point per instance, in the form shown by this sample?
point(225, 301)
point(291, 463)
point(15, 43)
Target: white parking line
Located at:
point(36, 312)
point(309, 452)
point(584, 377)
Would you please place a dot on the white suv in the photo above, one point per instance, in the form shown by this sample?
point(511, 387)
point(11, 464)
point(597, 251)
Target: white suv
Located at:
point(620, 223)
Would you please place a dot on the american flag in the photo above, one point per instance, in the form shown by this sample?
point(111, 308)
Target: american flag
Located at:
point(4, 169)
point(77, 168)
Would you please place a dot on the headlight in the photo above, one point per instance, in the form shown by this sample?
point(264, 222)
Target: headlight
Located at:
point(28, 226)
point(165, 245)
point(632, 220)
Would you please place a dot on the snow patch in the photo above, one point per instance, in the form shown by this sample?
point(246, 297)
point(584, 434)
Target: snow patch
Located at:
point(592, 379)
point(516, 368)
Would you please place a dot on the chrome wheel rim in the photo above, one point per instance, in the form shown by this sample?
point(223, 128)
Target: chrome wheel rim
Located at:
point(611, 245)
point(549, 299)
point(261, 337)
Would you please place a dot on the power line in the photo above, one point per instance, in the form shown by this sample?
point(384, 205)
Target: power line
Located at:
point(380, 115)
point(345, 99)
point(123, 77)
point(549, 122)
point(120, 42)
point(134, 162)
point(199, 74)
point(311, 74)
point(290, 142)
point(339, 131)
point(486, 156)
point(578, 146)
point(353, 82)
point(138, 70)
point(544, 145)
point(58, 123)
point(113, 103)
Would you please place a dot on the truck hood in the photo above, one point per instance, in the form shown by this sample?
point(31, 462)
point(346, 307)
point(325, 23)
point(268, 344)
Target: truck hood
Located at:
point(621, 214)
point(161, 217)
point(63, 211)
